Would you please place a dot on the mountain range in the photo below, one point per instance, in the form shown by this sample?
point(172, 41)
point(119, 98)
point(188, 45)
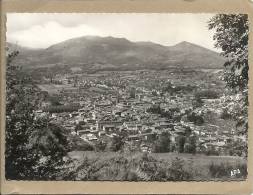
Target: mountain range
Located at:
point(111, 52)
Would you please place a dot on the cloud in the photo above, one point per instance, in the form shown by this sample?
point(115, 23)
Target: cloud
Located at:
point(41, 36)
point(43, 29)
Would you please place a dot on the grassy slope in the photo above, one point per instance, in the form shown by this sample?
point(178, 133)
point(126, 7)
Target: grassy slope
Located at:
point(199, 159)
point(197, 165)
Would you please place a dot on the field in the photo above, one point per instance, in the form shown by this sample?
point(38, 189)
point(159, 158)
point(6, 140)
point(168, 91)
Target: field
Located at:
point(53, 88)
point(197, 167)
point(199, 159)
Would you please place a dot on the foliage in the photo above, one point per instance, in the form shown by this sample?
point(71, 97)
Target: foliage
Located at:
point(49, 141)
point(34, 147)
point(170, 88)
point(237, 148)
point(209, 94)
point(61, 108)
point(132, 93)
point(196, 118)
point(154, 93)
point(176, 171)
point(163, 143)
point(212, 151)
point(117, 166)
point(197, 102)
point(18, 157)
point(115, 144)
point(140, 168)
point(190, 145)
point(101, 146)
point(55, 100)
point(156, 109)
point(78, 126)
point(76, 143)
point(180, 142)
point(233, 106)
point(231, 35)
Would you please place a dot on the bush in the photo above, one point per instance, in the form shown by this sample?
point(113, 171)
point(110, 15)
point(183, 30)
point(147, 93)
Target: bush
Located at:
point(115, 144)
point(100, 146)
point(144, 167)
point(61, 108)
point(180, 142)
point(190, 146)
point(210, 94)
point(76, 143)
point(132, 176)
point(197, 102)
point(212, 152)
point(140, 168)
point(176, 171)
point(55, 100)
point(163, 143)
point(195, 118)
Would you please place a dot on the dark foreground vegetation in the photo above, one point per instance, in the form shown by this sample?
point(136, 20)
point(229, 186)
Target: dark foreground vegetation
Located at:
point(154, 167)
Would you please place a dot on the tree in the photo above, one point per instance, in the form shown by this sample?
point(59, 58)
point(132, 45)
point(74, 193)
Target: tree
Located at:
point(196, 118)
point(197, 102)
point(116, 143)
point(210, 94)
point(55, 100)
point(101, 146)
point(49, 141)
point(169, 88)
point(34, 148)
point(155, 109)
point(190, 145)
point(78, 127)
point(231, 35)
point(154, 93)
point(163, 143)
point(19, 118)
point(132, 93)
point(180, 142)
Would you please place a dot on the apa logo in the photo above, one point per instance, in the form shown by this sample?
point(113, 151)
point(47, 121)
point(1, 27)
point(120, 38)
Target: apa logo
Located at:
point(235, 172)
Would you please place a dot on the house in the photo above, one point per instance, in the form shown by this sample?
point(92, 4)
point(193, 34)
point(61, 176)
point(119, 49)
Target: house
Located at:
point(148, 136)
point(179, 130)
point(115, 124)
point(101, 133)
point(89, 137)
point(132, 125)
point(83, 132)
point(145, 148)
point(143, 137)
point(109, 128)
point(133, 138)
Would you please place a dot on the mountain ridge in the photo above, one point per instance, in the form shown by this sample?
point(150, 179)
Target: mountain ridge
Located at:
point(120, 52)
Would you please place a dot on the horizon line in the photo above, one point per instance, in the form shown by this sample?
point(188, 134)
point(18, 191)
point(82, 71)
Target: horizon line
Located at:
point(42, 48)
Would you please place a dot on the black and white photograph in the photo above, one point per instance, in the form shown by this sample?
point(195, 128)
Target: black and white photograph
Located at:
point(126, 97)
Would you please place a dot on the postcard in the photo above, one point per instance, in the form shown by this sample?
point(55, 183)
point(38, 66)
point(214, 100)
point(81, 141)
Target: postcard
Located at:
point(116, 100)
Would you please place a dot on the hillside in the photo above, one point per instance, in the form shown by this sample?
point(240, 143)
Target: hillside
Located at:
point(155, 166)
point(27, 56)
point(119, 52)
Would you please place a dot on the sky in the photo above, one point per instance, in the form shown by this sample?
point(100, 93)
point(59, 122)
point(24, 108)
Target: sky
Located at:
point(41, 30)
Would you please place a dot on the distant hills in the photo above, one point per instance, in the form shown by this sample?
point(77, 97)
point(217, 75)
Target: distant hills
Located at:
point(111, 52)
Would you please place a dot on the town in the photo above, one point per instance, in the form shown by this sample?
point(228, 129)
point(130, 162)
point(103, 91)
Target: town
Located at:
point(175, 110)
